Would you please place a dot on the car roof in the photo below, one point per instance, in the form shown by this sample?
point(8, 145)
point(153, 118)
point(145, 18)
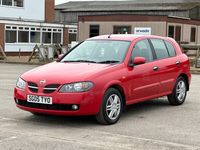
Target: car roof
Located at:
point(124, 37)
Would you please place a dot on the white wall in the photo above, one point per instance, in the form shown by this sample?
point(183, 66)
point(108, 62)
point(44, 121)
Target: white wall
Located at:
point(19, 47)
point(33, 10)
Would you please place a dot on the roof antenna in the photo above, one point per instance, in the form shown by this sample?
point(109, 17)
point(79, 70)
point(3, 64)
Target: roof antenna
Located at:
point(109, 36)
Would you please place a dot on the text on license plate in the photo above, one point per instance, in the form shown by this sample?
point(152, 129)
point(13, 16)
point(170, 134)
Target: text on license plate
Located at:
point(39, 99)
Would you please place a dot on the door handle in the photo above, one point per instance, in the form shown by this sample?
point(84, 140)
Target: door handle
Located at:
point(178, 62)
point(155, 68)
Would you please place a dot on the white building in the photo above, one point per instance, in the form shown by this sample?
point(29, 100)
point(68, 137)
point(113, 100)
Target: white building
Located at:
point(25, 23)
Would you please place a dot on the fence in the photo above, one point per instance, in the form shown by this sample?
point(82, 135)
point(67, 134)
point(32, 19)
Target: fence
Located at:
point(47, 53)
point(193, 52)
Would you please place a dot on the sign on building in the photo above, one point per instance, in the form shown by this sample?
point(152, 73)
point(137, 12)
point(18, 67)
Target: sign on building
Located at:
point(142, 31)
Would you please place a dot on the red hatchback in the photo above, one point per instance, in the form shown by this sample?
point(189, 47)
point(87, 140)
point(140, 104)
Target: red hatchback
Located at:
point(102, 75)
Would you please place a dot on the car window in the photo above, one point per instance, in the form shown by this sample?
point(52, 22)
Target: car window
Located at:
point(160, 48)
point(142, 49)
point(99, 51)
point(171, 49)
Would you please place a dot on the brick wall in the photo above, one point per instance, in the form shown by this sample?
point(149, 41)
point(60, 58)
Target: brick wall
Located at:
point(49, 11)
point(65, 37)
point(2, 29)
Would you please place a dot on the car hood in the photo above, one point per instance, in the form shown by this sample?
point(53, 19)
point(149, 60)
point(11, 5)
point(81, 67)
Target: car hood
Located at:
point(64, 72)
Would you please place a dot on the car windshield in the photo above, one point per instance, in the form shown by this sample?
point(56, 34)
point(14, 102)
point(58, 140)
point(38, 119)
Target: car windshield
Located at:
point(98, 51)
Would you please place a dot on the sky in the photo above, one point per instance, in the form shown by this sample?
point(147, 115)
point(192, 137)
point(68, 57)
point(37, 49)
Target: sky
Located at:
point(60, 1)
point(64, 1)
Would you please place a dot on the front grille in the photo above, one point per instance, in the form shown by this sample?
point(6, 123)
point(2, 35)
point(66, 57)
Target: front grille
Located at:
point(33, 87)
point(50, 88)
point(58, 107)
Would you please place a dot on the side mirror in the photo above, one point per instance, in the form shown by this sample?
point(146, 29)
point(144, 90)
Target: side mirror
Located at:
point(139, 60)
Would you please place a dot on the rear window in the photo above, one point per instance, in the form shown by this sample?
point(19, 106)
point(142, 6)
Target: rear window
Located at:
point(160, 48)
point(171, 49)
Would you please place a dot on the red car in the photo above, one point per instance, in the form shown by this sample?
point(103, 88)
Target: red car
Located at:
point(104, 74)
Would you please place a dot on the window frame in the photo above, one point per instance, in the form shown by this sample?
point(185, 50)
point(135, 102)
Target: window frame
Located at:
point(12, 4)
point(166, 41)
point(44, 31)
point(72, 32)
point(22, 32)
point(172, 36)
point(10, 40)
point(31, 36)
point(55, 34)
point(165, 47)
point(151, 50)
point(23, 29)
point(175, 33)
point(18, 6)
point(94, 25)
point(122, 26)
point(30, 29)
point(193, 36)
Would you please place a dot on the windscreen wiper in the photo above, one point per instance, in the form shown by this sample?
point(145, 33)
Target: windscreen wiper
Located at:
point(109, 62)
point(87, 61)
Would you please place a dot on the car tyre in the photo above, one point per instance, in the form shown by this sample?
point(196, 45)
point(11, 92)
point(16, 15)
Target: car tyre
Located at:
point(111, 107)
point(179, 92)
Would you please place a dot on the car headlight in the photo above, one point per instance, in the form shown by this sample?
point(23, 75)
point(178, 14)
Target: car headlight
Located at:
point(76, 87)
point(21, 84)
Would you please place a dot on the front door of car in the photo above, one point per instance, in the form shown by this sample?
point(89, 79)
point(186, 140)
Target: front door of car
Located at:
point(143, 82)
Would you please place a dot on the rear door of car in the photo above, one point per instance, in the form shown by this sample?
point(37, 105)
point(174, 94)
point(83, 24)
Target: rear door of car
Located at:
point(143, 78)
point(166, 63)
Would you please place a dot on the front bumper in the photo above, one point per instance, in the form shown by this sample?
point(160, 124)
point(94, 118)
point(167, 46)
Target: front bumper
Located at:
point(88, 103)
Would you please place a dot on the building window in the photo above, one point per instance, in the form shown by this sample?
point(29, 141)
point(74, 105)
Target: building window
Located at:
point(35, 37)
point(11, 36)
point(46, 37)
point(94, 30)
point(19, 3)
point(56, 38)
point(193, 34)
point(72, 35)
point(16, 3)
point(25, 34)
point(174, 32)
point(178, 34)
point(171, 31)
point(122, 30)
point(23, 37)
point(7, 2)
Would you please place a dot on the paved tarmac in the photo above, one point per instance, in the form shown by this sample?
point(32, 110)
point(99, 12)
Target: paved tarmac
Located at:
point(152, 125)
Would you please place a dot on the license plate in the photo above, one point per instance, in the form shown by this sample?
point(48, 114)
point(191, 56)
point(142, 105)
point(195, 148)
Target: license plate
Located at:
point(39, 99)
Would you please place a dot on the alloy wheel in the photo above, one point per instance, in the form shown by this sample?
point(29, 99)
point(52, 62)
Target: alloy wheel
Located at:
point(113, 106)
